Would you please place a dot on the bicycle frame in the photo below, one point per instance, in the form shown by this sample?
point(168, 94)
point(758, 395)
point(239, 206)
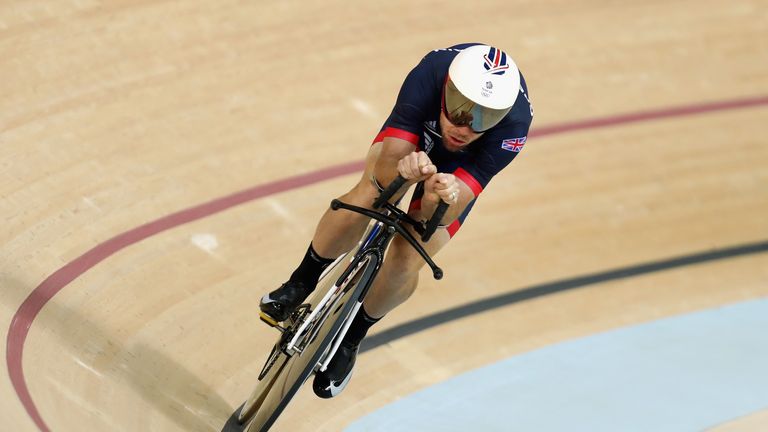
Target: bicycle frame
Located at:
point(317, 328)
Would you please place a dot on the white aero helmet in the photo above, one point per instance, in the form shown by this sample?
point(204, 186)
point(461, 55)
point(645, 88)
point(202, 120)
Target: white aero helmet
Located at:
point(481, 87)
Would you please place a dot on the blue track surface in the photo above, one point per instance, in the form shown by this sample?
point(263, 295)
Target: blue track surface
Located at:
point(683, 373)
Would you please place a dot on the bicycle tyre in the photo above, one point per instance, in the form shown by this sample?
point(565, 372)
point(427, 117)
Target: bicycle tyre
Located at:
point(297, 368)
point(255, 400)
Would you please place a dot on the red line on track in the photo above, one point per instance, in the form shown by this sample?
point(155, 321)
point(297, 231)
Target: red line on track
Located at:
point(34, 303)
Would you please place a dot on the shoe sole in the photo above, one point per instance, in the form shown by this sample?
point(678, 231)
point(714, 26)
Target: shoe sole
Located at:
point(332, 390)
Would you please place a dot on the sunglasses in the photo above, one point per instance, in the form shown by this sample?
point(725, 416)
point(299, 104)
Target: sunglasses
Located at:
point(461, 111)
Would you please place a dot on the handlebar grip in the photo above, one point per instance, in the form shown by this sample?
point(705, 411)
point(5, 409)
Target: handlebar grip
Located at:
point(434, 221)
point(389, 191)
point(437, 273)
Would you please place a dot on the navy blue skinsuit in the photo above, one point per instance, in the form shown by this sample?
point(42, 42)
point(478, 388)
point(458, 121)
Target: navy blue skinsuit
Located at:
point(415, 118)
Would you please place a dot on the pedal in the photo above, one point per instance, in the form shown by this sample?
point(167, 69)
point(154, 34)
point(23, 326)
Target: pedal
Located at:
point(270, 321)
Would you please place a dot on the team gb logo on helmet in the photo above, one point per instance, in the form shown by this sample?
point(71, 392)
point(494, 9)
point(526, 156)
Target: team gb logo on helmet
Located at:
point(496, 61)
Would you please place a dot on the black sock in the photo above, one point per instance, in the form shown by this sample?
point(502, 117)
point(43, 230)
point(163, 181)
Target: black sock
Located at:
point(359, 327)
point(310, 268)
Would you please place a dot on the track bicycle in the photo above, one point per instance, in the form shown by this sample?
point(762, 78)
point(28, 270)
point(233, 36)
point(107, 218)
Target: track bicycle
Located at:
point(313, 332)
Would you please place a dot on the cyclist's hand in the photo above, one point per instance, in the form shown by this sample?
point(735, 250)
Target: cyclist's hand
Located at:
point(442, 186)
point(416, 167)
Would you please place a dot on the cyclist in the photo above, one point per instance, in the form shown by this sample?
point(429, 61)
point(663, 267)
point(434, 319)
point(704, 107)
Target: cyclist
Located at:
point(461, 116)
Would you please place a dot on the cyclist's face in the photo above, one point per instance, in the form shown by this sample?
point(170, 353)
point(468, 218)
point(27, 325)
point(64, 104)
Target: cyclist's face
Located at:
point(455, 138)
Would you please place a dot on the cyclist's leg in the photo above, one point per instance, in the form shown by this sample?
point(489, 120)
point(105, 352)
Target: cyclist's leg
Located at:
point(338, 231)
point(393, 285)
point(399, 274)
point(335, 234)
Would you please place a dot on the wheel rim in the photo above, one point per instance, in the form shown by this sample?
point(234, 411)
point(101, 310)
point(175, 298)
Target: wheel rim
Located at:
point(296, 374)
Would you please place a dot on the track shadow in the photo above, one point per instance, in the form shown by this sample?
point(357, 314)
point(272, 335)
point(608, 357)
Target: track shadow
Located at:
point(163, 383)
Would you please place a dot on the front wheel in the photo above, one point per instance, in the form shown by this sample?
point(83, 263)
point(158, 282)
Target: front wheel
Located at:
point(275, 364)
point(283, 380)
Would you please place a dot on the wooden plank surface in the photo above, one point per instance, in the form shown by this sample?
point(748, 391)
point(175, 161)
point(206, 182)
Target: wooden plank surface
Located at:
point(116, 114)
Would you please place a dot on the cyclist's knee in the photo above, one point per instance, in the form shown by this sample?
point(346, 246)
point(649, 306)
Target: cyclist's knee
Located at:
point(362, 194)
point(404, 258)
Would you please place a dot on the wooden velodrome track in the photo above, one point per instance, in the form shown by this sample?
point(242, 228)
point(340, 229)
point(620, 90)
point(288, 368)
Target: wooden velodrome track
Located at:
point(649, 144)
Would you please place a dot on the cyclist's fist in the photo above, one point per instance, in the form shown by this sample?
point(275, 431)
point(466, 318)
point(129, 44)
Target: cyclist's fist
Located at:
point(416, 166)
point(442, 187)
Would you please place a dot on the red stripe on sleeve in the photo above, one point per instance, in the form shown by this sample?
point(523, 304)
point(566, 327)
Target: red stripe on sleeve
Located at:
point(397, 133)
point(467, 178)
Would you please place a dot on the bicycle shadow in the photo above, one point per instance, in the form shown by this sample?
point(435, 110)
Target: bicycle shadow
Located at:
point(162, 382)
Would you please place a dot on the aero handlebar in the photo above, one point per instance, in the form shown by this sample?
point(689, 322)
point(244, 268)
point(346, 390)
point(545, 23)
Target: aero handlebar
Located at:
point(432, 223)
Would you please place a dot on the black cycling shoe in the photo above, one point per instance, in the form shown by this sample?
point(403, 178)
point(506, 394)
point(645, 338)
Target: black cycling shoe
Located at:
point(280, 303)
point(331, 382)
